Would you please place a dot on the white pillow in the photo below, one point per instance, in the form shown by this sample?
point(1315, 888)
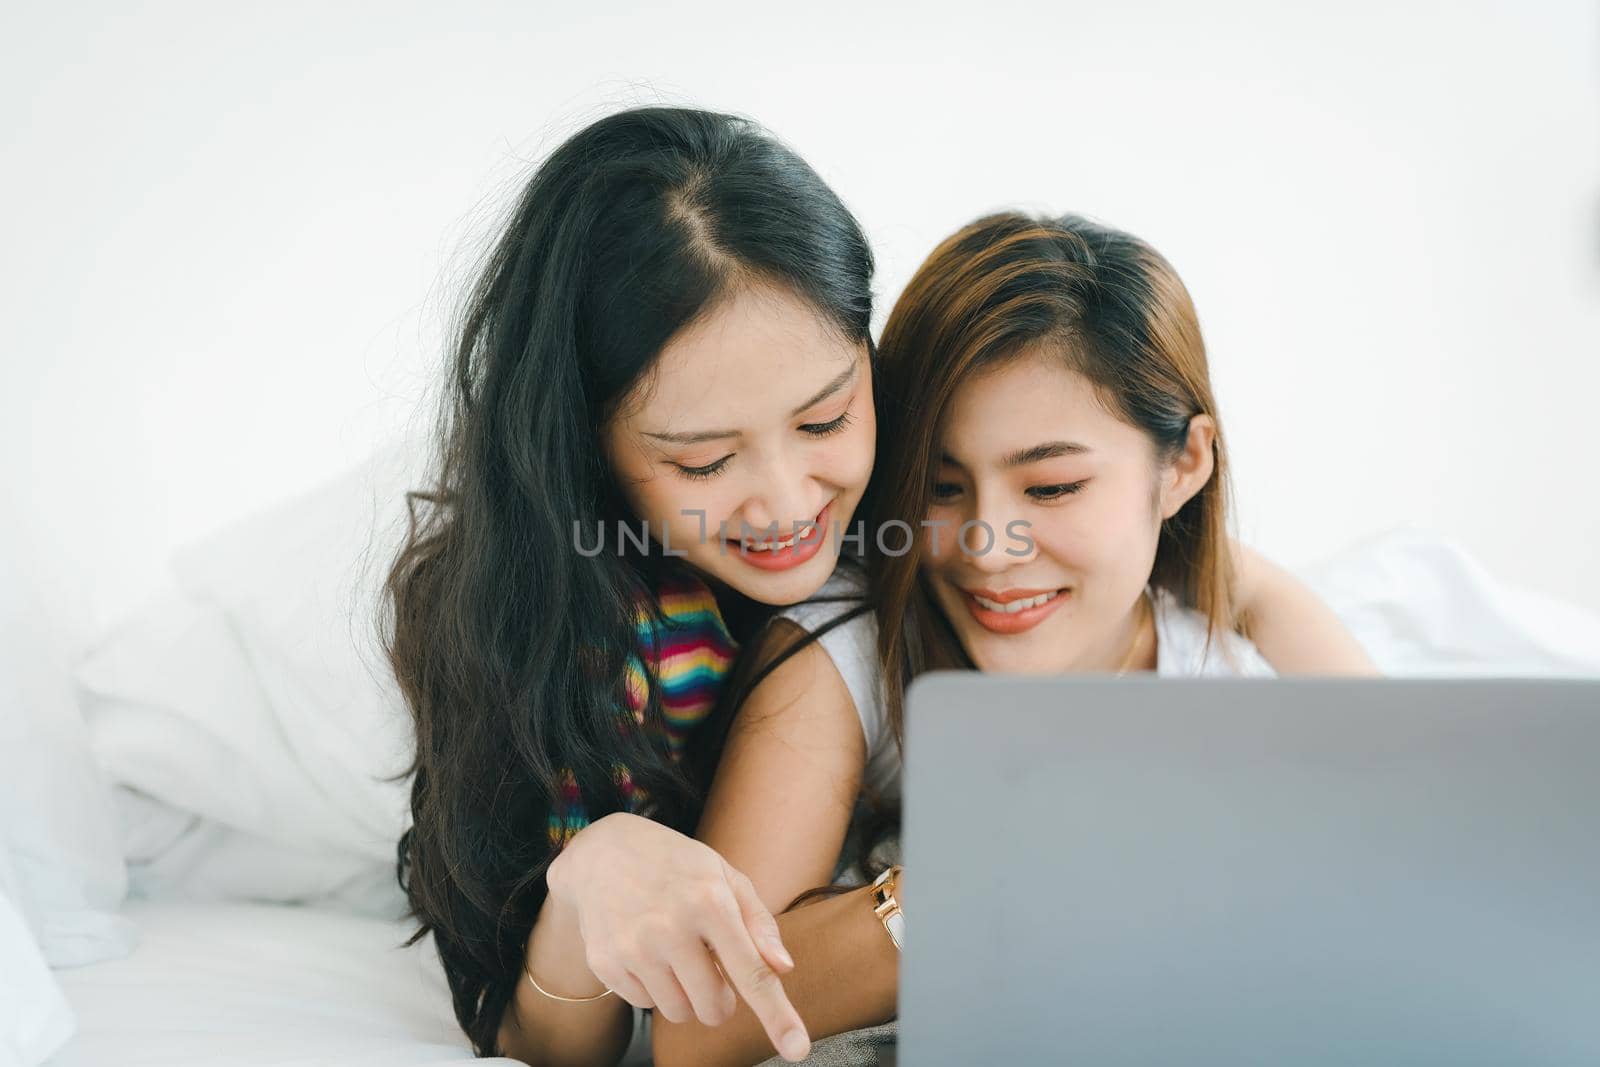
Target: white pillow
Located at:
point(63, 869)
point(258, 698)
point(178, 855)
point(35, 1018)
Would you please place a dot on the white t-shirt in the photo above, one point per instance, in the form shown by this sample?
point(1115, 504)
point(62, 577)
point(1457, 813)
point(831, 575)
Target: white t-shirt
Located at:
point(853, 646)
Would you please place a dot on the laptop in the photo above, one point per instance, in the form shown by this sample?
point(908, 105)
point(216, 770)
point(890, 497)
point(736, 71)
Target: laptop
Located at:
point(1119, 871)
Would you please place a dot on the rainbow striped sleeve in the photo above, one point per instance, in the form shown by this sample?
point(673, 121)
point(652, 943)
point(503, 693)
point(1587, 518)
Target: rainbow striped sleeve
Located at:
point(690, 656)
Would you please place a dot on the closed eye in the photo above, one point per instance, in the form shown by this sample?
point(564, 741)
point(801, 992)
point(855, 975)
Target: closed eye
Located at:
point(815, 429)
point(710, 470)
point(1056, 492)
point(824, 429)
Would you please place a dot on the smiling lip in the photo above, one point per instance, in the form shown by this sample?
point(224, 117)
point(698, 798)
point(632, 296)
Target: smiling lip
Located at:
point(1012, 622)
point(782, 559)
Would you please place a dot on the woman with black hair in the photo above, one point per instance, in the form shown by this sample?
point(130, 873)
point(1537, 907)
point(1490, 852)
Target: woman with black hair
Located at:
point(659, 421)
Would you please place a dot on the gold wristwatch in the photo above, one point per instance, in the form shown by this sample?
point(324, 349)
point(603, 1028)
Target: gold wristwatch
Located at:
point(887, 908)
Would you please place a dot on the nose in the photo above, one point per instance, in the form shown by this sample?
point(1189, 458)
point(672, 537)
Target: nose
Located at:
point(784, 496)
point(986, 540)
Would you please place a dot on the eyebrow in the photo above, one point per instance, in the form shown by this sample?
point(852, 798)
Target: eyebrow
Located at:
point(1023, 456)
point(693, 437)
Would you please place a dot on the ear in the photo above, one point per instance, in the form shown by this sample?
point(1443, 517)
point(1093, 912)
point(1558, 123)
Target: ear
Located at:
point(1189, 473)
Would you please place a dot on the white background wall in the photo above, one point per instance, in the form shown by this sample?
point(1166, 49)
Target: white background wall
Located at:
point(232, 234)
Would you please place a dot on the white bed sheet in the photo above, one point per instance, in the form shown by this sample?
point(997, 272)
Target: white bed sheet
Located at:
point(255, 984)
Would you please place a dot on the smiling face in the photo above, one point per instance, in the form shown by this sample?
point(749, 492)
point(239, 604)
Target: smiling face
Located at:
point(759, 417)
point(1029, 440)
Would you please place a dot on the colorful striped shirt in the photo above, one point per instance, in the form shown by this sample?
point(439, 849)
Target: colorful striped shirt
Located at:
point(690, 657)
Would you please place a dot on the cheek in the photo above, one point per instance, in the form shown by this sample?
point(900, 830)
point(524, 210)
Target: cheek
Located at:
point(846, 460)
point(1100, 534)
point(1132, 532)
point(1065, 538)
point(681, 508)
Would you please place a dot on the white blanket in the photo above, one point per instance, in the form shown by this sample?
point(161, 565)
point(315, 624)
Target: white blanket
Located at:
point(1421, 605)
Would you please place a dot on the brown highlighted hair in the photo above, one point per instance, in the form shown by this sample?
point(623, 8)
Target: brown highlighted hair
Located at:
point(1118, 314)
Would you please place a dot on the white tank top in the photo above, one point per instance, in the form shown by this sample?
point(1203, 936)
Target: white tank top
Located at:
point(1181, 651)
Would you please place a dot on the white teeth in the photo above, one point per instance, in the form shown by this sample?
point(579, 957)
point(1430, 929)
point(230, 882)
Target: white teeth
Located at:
point(774, 546)
point(771, 546)
point(1016, 605)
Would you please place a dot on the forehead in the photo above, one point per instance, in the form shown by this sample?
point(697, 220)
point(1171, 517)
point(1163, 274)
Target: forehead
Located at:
point(754, 356)
point(1027, 400)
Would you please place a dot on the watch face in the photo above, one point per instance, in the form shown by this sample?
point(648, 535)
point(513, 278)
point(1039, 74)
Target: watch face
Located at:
point(895, 924)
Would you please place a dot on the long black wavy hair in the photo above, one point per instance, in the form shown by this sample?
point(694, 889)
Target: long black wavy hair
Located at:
point(510, 646)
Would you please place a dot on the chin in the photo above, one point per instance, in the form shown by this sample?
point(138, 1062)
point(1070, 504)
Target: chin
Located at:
point(995, 654)
point(777, 589)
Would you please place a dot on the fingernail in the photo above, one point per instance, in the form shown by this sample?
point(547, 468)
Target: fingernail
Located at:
point(782, 953)
point(794, 1045)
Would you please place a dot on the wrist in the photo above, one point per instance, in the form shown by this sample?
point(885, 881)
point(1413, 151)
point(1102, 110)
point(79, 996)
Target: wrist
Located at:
point(555, 956)
point(876, 961)
point(557, 909)
point(559, 874)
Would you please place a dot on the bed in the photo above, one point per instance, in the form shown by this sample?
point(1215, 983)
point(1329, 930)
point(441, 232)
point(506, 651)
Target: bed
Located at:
point(258, 984)
point(205, 872)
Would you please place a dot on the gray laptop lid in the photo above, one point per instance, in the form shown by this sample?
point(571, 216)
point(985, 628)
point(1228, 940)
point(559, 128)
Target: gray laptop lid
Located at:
point(1271, 871)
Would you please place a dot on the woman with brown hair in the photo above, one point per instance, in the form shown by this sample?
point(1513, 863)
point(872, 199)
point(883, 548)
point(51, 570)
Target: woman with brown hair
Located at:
point(1049, 375)
point(1051, 495)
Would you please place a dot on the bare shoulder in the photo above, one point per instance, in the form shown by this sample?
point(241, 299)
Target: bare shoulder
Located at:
point(792, 669)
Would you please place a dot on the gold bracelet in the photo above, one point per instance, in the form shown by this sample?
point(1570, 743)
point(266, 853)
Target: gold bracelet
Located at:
point(564, 1000)
point(887, 908)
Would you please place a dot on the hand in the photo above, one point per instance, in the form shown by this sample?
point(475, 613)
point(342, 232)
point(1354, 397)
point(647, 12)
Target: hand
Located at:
point(669, 925)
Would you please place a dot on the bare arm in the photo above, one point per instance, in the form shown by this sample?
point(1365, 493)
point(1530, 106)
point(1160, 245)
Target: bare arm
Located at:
point(845, 977)
point(663, 921)
point(789, 775)
point(779, 811)
point(549, 1033)
point(1293, 628)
